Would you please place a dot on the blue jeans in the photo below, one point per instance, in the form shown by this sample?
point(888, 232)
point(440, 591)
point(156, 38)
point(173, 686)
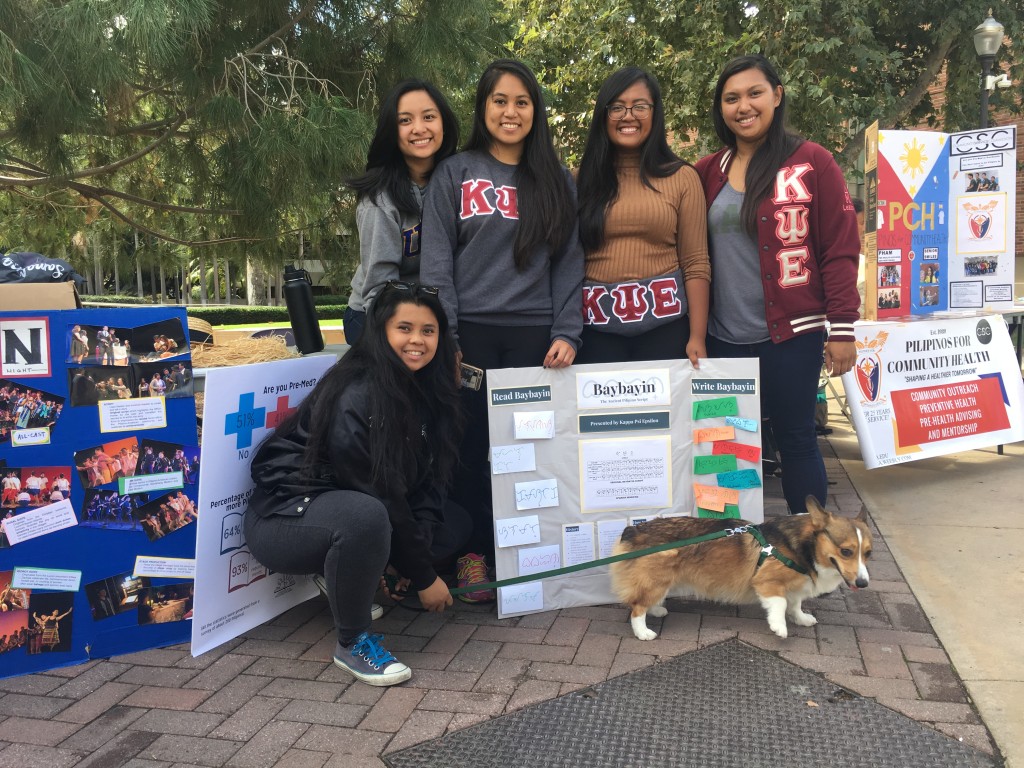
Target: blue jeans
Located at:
point(789, 387)
point(355, 322)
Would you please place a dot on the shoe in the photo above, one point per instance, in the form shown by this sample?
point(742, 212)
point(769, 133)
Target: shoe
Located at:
point(472, 569)
point(368, 660)
point(321, 583)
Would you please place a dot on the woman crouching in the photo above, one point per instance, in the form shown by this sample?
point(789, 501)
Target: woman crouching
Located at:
point(354, 481)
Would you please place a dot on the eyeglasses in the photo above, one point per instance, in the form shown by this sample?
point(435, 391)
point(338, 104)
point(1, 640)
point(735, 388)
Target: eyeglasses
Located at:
point(640, 111)
point(401, 285)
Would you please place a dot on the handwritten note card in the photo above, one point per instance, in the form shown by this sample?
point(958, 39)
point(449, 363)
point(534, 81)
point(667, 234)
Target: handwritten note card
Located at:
point(539, 559)
point(713, 433)
point(536, 494)
point(515, 531)
point(513, 458)
point(534, 425)
point(608, 533)
point(522, 598)
point(720, 406)
point(712, 465)
point(714, 498)
point(751, 453)
point(741, 478)
point(747, 425)
point(578, 542)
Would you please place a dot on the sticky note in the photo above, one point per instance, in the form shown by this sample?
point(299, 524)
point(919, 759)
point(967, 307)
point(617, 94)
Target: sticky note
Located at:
point(534, 425)
point(720, 406)
point(731, 512)
point(513, 458)
point(751, 453)
point(741, 478)
point(714, 497)
point(513, 531)
point(712, 465)
point(710, 434)
point(747, 425)
point(520, 598)
point(536, 494)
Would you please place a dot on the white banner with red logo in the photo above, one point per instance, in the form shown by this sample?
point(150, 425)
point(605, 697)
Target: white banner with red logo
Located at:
point(934, 386)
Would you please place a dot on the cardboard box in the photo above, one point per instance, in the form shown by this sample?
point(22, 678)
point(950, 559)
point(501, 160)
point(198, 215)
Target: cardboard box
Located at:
point(16, 297)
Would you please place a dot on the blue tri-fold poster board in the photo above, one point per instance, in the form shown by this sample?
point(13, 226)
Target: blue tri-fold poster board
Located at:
point(99, 465)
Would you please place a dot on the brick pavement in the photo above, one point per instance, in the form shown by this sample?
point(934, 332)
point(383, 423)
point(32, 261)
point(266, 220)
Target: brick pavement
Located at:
point(273, 697)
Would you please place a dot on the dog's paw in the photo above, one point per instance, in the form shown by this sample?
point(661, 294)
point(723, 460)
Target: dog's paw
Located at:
point(657, 611)
point(779, 628)
point(804, 619)
point(640, 629)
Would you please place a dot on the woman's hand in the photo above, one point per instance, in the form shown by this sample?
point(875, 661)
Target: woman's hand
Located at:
point(436, 597)
point(840, 357)
point(696, 349)
point(560, 355)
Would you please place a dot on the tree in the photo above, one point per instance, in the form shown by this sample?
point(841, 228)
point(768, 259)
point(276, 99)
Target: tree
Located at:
point(206, 122)
point(845, 63)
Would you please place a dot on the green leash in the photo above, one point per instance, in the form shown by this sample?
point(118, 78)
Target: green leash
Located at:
point(767, 550)
point(595, 563)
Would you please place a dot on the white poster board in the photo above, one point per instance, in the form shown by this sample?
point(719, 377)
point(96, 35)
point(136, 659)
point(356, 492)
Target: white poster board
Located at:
point(233, 592)
point(580, 453)
point(929, 387)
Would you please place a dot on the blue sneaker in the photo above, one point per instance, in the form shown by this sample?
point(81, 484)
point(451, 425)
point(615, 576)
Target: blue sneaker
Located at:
point(368, 660)
point(321, 583)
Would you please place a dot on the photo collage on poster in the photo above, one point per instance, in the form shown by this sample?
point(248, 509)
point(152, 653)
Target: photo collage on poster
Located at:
point(99, 469)
point(106, 363)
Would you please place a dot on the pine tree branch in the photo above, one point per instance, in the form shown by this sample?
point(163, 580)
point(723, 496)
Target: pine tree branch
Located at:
point(276, 35)
point(165, 236)
point(94, 192)
point(163, 139)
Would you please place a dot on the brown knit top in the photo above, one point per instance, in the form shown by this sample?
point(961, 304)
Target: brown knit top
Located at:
point(648, 233)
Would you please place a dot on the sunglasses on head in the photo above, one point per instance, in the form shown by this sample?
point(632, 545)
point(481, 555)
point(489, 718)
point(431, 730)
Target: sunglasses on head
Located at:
point(401, 285)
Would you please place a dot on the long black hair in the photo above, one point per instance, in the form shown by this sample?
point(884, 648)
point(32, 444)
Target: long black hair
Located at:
point(546, 215)
point(386, 169)
point(779, 142)
point(597, 183)
point(400, 400)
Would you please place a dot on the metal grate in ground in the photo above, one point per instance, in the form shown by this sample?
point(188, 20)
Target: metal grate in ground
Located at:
point(726, 706)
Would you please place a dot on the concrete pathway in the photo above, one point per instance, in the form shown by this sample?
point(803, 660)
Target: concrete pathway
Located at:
point(955, 525)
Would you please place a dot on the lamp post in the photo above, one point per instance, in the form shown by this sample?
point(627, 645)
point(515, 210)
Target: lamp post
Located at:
point(988, 36)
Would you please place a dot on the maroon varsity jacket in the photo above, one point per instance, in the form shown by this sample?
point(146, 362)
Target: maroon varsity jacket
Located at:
point(807, 240)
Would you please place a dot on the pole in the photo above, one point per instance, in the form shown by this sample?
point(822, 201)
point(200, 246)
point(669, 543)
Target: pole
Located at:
point(986, 71)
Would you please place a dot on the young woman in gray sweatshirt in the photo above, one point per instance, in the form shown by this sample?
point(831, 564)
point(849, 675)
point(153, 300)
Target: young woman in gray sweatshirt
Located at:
point(416, 129)
point(500, 242)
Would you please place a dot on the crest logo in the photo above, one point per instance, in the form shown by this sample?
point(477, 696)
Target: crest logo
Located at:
point(869, 367)
point(979, 219)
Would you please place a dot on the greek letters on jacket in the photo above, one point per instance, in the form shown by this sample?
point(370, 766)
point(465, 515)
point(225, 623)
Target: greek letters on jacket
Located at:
point(481, 198)
point(807, 243)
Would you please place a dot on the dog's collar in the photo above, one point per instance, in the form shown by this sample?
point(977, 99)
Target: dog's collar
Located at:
point(767, 550)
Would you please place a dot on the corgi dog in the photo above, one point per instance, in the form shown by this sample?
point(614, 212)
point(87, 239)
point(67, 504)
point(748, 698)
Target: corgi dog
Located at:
point(823, 551)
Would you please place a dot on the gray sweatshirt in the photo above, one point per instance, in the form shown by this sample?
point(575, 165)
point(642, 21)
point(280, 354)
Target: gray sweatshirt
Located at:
point(389, 246)
point(470, 220)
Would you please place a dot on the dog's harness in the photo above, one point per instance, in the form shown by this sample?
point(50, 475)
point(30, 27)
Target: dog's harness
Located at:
point(767, 550)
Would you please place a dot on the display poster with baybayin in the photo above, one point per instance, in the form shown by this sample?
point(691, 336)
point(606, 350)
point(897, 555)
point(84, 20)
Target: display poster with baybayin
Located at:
point(234, 593)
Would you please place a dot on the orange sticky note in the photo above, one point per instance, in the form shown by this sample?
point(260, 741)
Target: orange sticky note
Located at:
point(711, 434)
point(751, 453)
point(714, 498)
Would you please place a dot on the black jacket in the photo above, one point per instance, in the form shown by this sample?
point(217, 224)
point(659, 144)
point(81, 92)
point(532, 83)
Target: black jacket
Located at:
point(415, 507)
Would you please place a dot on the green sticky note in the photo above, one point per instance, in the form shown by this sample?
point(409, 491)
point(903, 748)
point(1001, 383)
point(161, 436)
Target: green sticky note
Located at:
point(731, 512)
point(712, 465)
point(720, 406)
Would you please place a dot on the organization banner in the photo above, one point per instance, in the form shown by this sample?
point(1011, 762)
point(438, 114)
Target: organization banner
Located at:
point(578, 454)
point(234, 593)
point(934, 386)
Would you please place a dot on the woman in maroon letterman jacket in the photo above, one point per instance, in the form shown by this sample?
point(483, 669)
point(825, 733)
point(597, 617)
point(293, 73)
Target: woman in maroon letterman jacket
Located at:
point(784, 249)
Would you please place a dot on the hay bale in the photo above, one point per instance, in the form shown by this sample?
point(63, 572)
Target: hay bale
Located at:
point(242, 352)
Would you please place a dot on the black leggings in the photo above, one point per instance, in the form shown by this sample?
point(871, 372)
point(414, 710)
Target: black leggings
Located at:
point(666, 342)
point(488, 346)
point(346, 536)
